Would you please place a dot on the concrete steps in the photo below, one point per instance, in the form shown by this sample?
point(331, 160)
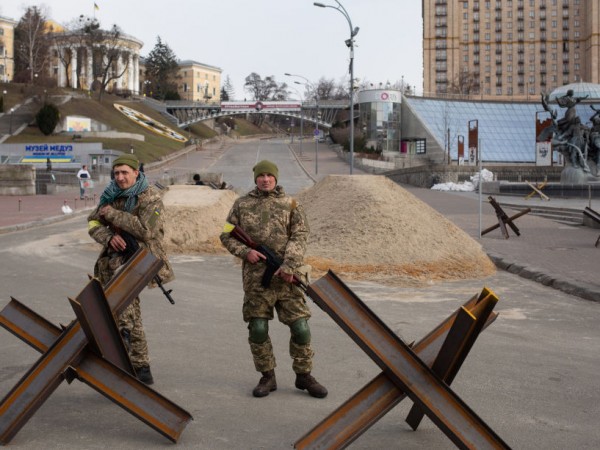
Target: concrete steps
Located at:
point(568, 216)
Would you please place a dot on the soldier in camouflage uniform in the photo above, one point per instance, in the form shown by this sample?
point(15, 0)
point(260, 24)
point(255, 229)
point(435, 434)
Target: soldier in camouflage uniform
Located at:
point(129, 204)
point(272, 218)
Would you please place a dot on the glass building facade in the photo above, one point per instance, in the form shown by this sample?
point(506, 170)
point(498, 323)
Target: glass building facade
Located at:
point(380, 118)
point(506, 130)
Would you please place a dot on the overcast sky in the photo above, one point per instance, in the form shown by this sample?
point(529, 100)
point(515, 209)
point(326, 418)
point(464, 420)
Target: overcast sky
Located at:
point(269, 37)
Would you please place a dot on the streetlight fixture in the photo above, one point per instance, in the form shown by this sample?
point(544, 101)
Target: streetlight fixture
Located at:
point(316, 91)
point(350, 45)
point(4, 92)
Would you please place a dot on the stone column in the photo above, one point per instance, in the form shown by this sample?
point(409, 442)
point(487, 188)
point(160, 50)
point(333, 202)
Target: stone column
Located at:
point(119, 81)
point(61, 76)
point(74, 68)
point(130, 74)
point(90, 67)
point(136, 74)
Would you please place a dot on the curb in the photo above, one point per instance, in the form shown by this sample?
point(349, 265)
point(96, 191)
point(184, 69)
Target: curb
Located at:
point(42, 222)
point(580, 289)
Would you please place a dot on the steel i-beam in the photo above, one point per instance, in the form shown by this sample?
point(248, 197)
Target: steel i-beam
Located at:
point(403, 367)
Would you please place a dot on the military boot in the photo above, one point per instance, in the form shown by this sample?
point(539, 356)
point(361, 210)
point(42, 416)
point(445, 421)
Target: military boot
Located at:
point(308, 382)
point(144, 375)
point(266, 384)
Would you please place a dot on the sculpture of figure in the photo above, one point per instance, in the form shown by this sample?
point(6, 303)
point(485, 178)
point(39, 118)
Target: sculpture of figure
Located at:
point(570, 120)
point(594, 139)
point(570, 137)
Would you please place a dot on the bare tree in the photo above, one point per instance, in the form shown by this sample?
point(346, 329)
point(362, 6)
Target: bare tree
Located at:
point(110, 60)
point(31, 44)
point(465, 84)
point(265, 89)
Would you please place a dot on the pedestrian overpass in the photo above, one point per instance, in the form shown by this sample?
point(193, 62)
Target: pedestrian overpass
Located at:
point(185, 113)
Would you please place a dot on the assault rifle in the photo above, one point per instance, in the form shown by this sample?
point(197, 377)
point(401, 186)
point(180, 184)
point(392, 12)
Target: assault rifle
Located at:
point(273, 261)
point(131, 246)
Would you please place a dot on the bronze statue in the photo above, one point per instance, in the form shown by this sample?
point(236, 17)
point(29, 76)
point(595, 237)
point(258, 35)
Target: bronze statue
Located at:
point(579, 144)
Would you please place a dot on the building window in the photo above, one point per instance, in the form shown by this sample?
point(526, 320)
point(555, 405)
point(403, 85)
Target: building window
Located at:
point(420, 146)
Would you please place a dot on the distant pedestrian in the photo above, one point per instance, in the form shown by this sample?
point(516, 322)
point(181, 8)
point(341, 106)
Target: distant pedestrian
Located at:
point(48, 165)
point(197, 180)
point(85, 180)
point(141, 169)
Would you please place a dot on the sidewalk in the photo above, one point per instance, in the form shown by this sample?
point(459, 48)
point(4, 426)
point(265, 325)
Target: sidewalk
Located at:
point(548, 252)
point(26, 211)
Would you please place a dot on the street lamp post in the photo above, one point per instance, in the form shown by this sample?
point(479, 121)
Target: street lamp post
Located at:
point(301, 138)
point(350, 45)
point(315, 90)
point(4, 92)
point(10, 121)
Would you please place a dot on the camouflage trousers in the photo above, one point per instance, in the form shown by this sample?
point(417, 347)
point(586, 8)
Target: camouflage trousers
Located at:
point(130, 319)
point(290, 304)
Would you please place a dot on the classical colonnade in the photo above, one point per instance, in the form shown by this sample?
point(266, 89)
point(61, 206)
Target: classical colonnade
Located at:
point(83, 77)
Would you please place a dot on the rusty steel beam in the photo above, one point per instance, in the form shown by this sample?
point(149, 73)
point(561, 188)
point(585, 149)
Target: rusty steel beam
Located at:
point(455, 349)
point(28, 326)
point(379, 396)
point(121, 290)
point(40, 381)
point(405, 369)
point(133, 396)
point(96, 319)
point(47, 373)
point(149, 406)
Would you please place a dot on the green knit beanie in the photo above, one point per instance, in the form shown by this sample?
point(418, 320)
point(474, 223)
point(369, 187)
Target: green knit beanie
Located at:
point(127, 159)
point(265, 167)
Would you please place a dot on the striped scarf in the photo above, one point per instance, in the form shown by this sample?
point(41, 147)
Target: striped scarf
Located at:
point(113, 191)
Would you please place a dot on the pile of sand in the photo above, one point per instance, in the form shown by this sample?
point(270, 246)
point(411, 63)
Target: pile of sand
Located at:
point(362, 227)
point(368, 227)
point(194, 218)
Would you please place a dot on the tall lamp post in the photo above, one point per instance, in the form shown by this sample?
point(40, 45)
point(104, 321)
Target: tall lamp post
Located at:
point(350, 45)
point(10, 121)
point(311, 86)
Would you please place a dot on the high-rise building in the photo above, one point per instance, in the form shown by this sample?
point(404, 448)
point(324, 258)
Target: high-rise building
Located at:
point(508, 49)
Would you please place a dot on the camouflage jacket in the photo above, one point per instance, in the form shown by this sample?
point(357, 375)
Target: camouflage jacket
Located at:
point(273, 219)
point(145, 223)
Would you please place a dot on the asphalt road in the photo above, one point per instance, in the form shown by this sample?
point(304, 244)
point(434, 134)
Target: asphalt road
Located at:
point(532, 376)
